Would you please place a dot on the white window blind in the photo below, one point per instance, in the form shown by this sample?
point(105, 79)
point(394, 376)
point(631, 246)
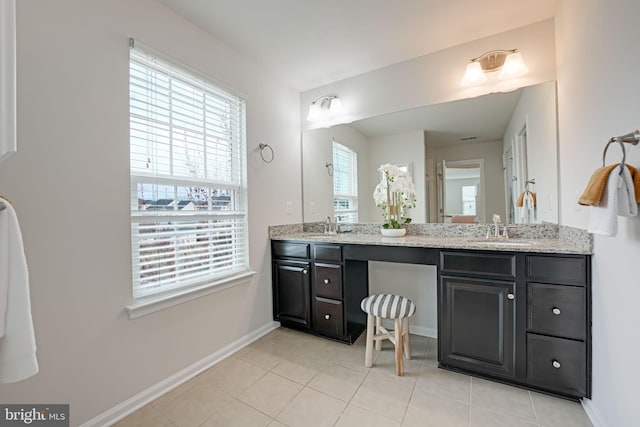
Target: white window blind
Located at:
point(345, 183)
point(188, 178)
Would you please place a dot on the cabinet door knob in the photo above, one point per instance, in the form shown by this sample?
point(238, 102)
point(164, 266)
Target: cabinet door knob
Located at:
point(327, 316)
point(556, 364)
point(326, 281)
point(304, 271)
point(511, 296)
point(555, 310)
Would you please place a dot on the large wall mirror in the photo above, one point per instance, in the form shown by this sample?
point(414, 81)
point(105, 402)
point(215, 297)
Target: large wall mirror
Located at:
point(7, 78)
point(469, 159)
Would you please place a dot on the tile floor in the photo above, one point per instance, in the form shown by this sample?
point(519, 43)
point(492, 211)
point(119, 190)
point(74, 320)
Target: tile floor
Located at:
point(288, 378)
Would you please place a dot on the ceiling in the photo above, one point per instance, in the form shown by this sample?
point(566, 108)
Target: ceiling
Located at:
point(312, 43)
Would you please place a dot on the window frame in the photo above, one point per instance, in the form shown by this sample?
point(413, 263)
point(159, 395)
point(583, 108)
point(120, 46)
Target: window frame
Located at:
point(351, 213)
point(204, 217)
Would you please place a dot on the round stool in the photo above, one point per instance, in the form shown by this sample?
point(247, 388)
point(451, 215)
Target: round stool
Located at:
point(386, 306)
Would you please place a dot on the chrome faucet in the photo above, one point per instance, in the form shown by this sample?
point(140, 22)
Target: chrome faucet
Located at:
point(496, 225)
point(496, 228)
point(330, 227)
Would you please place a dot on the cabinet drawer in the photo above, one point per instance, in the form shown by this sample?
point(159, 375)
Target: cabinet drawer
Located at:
point(557, 364)
point(331, 253)
point(290, 250)
point(557, 269)
point(557, 310)
point(328, 281)
point(501, 265)
point(328, 317)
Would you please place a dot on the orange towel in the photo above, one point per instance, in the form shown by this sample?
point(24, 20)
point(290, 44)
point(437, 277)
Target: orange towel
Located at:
point(635, 176)
point(521, 199)
point(592, 195)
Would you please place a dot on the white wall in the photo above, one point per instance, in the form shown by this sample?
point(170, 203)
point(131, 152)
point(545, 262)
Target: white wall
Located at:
point(598, 59)
point(435, 78)
point(317, 149)
point(401, 149)
point(414, 281)
point(537, 109)
point(69, 182)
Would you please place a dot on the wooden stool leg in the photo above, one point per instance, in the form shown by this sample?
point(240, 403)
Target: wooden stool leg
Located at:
point(398, 336)
point(405, 338)
point(378, 326)
point(368, 355)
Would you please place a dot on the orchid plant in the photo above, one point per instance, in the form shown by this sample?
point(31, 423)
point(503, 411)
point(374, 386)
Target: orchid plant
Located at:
point(395, 194)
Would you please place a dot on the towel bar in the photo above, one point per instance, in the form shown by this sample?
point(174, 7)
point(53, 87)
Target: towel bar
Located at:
point(624, 153)
point(632, 137)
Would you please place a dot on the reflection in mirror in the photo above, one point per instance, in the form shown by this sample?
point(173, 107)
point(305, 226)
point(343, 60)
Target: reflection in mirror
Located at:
point(461, 191)
point(469, 159)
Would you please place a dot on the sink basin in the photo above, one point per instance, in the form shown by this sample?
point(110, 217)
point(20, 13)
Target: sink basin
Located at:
point(505, 243)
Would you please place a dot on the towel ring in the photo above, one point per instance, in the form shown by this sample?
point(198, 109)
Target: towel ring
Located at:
point(329, 167)
point(624, 153)
point(262, 147)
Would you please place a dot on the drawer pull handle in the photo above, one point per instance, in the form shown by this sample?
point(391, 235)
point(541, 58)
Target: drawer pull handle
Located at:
point(511, 296)
point(556, 364)
point(327, 316)
point(304, 271)
point(555, 311)
point(326, 281)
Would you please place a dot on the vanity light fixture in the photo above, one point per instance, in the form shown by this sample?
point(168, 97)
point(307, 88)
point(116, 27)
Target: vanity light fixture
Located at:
point(508, 62)
point(324, 108)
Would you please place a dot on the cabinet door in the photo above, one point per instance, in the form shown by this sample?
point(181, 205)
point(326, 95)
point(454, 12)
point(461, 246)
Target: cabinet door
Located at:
point(477, 324)
point(292, 293)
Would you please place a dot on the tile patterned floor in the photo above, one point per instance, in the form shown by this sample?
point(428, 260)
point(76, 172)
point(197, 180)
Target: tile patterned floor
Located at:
point(292, 379)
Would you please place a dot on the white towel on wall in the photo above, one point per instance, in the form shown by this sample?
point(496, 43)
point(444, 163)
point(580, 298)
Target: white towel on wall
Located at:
point(17, 343)
point(618, 199)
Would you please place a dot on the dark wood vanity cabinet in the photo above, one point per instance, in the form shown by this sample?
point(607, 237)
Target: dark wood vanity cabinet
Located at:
point(308, 284)
point(519, 317)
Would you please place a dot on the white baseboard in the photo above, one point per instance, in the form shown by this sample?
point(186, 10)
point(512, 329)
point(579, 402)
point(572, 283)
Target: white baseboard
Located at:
point(424, 331)
point(592, 413)
point(147, 396)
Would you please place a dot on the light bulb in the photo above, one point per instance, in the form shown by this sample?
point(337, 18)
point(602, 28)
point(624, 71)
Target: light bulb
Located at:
point(513, 66)
point(335, 108)
point(473, 75)
point(315, 111)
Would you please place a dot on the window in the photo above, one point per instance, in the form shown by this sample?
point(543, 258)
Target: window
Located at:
point(188, 178)
point(469, 193)
point(345, 184)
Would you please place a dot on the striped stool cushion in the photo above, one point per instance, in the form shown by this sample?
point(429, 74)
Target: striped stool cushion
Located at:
point(388, 306)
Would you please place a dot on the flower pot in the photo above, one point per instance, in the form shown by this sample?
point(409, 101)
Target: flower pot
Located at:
point(393, 232)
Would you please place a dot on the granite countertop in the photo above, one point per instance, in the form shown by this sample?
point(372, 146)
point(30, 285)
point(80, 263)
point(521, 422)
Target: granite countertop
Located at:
point(536, 245)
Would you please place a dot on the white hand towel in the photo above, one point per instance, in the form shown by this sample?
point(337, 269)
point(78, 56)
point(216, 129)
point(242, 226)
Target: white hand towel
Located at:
point(17, 343)
point(627, 205)
point(527, 207)
point(618, 199)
